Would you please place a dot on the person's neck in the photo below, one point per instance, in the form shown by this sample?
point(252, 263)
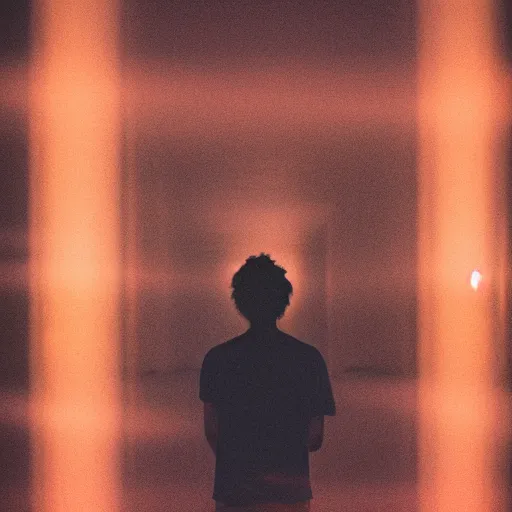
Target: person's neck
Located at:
point(264, 326)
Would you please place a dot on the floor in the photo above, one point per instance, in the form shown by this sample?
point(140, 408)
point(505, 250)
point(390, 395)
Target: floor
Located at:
point(368, 462)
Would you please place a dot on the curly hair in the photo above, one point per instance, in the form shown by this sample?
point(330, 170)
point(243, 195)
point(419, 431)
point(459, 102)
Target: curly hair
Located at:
point(260, 289)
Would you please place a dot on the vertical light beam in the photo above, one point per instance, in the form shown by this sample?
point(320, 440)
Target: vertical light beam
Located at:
point(460, 213)
point(75, 255)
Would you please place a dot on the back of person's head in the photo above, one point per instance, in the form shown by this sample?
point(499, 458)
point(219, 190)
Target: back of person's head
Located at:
point(260, 289)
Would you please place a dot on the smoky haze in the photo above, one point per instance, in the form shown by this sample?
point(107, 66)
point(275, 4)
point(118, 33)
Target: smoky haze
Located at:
point(287, 128)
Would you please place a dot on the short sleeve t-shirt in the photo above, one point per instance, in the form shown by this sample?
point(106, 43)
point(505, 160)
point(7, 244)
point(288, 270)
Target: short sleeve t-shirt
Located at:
point(266, 387)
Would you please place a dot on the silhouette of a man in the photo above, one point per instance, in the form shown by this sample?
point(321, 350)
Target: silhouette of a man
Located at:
point(265, 395)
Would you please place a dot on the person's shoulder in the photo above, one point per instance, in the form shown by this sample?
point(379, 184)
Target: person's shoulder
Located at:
point(222, 349)
point(301, 347)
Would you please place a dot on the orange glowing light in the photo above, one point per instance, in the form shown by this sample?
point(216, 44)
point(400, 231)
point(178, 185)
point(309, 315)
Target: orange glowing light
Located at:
point(460, 123)
point(476, 278)
point(75, 256)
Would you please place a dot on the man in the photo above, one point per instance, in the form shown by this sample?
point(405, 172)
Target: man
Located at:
point(265, 395)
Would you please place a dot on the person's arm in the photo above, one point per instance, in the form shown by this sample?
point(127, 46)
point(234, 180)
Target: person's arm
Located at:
point(322, 402)
point(209, 395)
point(315, 433)
point(211, 425)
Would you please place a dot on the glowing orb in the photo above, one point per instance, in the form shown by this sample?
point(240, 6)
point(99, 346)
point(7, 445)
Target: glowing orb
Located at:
point(476, 277)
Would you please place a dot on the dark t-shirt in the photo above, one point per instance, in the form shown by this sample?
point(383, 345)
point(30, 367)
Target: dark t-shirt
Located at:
point(266, 387)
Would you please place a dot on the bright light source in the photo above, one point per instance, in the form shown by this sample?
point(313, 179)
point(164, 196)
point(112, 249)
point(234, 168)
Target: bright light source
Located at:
point(476, 277)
